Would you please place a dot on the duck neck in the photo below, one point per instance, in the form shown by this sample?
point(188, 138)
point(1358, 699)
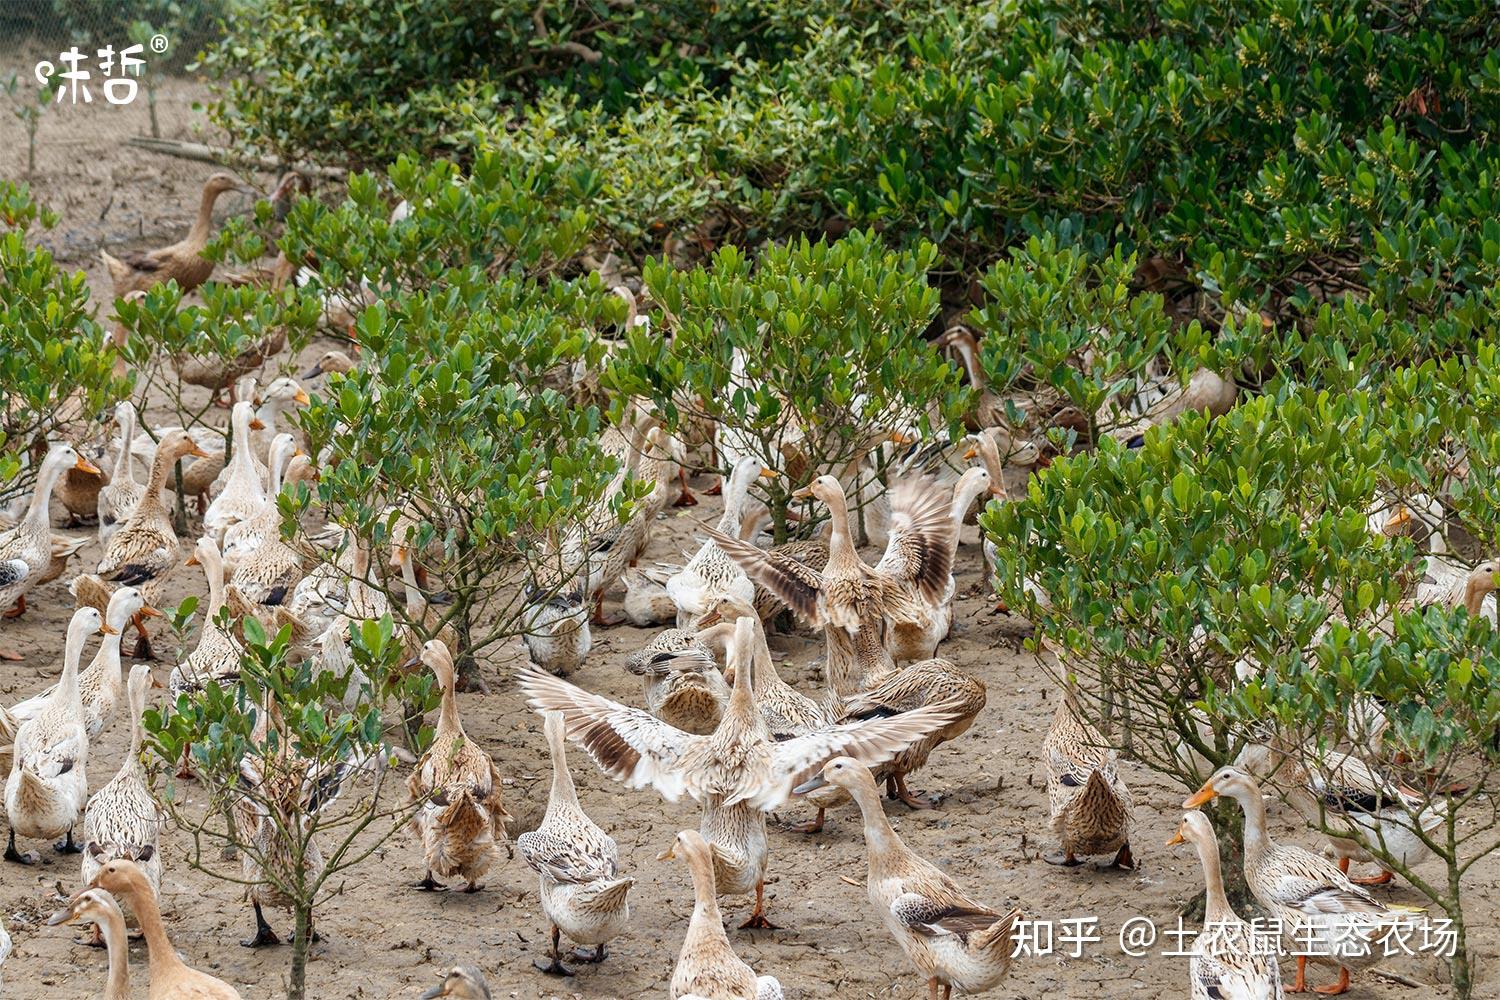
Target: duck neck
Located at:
point(881, 840)
point(416, 604)
point(563, 792)
point(448, 720)
point(706, 919)
point(1217, 910)
point(162, 957)
point(112, 929)
point(197, 236)
point(67, 684)
point(161, 467)
point(1474, 594)
point(39, 510)
point(124, 470)
point(841, 552)
point(1257, 840)
point(213, 568)
point(964, 495)
point(107, 659)
point(736, 491)
point(963, 343)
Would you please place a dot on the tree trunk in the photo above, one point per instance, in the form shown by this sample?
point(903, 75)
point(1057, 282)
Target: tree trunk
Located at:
point(296, 987)
point(1229, 824)
point(1458, 965)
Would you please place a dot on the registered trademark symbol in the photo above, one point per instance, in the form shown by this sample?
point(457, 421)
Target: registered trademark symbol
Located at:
point(158, 43)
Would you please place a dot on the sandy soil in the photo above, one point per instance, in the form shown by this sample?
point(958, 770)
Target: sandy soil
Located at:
point(383, 939)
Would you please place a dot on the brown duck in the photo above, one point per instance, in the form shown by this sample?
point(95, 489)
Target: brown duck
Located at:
point(183, 261)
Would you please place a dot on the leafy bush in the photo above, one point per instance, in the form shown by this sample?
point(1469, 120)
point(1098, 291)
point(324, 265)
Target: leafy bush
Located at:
point(56, 373)
point(805, 360)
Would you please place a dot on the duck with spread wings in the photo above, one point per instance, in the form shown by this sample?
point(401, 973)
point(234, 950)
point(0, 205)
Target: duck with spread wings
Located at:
point(739, 772)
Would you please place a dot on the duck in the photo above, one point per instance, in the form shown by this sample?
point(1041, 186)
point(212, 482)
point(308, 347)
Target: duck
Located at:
point(30, 540)
point(1323, 916)
point(1223, 965)
point(144, 550)
point(261, 525)
point(283, 396)
point(1090, 805)
point(461, 816)
point(933, 681)
point(707, 967)
point(607, 546)
point(243, 492)
point(953, 939)
point(334, 362)
point(681, 681)
point(910, 641)
point(5, 949)
point(711, 575)
point(461, 982)
point(1332, 789)
point(183, 261)
point(738, 773)
point(557, 634)
point(98, 907)
point(847, 595)
point(990, 408)
point(78, 490)
point(102, 683)
point(811, 552)
point(171, 979)
point(217, 655)
point(583, 893)
point(118, 499)
point(647, 602)
point(48, 785)
point(276, 779)
point(122, 819)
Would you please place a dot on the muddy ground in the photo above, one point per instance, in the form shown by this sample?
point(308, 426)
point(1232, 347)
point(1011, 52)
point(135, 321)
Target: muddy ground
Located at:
point(382, 938)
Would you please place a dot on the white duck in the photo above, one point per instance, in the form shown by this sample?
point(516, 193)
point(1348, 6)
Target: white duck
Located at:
point(47, 787)
point(711, 575)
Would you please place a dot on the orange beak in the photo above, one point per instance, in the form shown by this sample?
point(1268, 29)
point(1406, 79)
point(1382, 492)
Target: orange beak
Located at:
point(769, 474)
point(84, 465)
point(896, 437)
point(149, 612)
point(1177, 838)
point(192, 560)
point(198, 452)
point(256, 424)
point(971, 453)
point(1202, 796)
point(302, 398)
point(1399, 520)
point(107, 629)
point(805, 491)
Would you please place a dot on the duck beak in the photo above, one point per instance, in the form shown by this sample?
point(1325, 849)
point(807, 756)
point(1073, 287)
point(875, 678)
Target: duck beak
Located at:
point(108, 629)
point(440, 990)
point(256, 424)
point(899, 437)
point(149, 612)
point(301, 399)
point(84, 465)
point(63, 916)
point(971, 453)
point(803, 493)
point(710, 619)
point(192, 560)
point(1202, 796)
point(811, 784)
point(313, 372)
point(670, 854)
point(1399, 520)
point(769, 474)
point(412, 664)
point(198, 452)
point(1177, 838)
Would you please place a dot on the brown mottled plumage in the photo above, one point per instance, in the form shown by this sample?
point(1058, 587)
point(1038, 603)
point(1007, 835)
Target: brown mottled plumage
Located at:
point(462, 819)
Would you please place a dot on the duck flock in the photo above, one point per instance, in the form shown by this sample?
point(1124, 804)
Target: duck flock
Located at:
point(715, 721)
